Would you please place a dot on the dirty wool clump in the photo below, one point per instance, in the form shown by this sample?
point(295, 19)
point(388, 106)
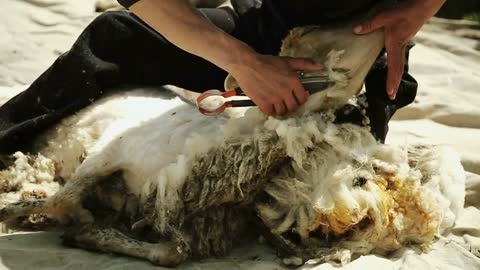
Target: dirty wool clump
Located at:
point(28, 178)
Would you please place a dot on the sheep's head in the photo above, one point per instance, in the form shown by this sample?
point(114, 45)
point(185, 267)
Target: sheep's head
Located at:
point(347, 59)
point(346, 190)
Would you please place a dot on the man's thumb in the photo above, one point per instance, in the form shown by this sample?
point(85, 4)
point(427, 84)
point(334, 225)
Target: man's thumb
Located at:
point(370, 25)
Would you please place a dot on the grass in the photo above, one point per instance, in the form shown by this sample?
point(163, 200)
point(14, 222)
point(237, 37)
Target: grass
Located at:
point(474, 17)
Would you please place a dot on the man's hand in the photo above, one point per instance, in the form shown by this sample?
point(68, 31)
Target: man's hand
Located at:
point(401, 23)
point(272, 82)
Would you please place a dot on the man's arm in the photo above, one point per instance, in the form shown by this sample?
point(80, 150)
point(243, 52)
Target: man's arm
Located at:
point(401, 22)
point(270, 81)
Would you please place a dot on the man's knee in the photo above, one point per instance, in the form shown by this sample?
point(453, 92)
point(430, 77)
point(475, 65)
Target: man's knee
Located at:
point(111, 17)
point(110, 22)
point(106, 32)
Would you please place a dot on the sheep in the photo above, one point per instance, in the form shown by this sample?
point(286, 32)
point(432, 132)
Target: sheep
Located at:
point(172, 184)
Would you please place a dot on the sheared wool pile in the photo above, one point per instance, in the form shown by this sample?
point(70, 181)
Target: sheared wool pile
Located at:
point(28, 177)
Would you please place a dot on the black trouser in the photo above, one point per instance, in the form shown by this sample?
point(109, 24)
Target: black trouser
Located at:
point(118, 49)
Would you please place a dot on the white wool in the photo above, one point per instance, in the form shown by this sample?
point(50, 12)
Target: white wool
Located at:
point(168, 180)
point(245, 125)
point(75, 137)
point(446, 181)
point(296, 138)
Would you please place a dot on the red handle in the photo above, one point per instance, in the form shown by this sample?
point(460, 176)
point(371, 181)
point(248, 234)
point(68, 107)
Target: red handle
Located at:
point(207, 94)
point(221, 109)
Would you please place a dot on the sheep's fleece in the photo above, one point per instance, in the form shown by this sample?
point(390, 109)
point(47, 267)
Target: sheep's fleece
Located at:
point(145, 175)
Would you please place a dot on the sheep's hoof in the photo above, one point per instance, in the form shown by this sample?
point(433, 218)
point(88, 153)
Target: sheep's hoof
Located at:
point(169, 256)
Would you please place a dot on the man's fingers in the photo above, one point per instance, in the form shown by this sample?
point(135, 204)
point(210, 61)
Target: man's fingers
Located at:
point(280, 108)
point(291, 102)
point(371, 25)
point(265, 106)
point(296, 96)
point(304, 64)
point(299, 93)
point(396, 63)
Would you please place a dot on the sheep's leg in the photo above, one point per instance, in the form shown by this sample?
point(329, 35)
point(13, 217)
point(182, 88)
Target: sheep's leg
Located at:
point(90, 172)
point(111, 240)
point(59, 206)
point(67, 201)
point(97, 165)
point(21, 208)
point(63, 204)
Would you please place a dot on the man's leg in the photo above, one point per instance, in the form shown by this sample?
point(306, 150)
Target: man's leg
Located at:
point(115, 49)
point(380, 108)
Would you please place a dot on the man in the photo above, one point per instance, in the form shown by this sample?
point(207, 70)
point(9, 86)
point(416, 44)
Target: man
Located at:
point(197, 48)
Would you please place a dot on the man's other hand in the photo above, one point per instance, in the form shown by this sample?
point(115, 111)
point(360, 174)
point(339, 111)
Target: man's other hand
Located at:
point(401, 23)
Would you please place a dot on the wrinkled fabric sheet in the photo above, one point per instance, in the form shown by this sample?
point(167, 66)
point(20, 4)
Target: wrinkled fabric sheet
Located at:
point(446, 112)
